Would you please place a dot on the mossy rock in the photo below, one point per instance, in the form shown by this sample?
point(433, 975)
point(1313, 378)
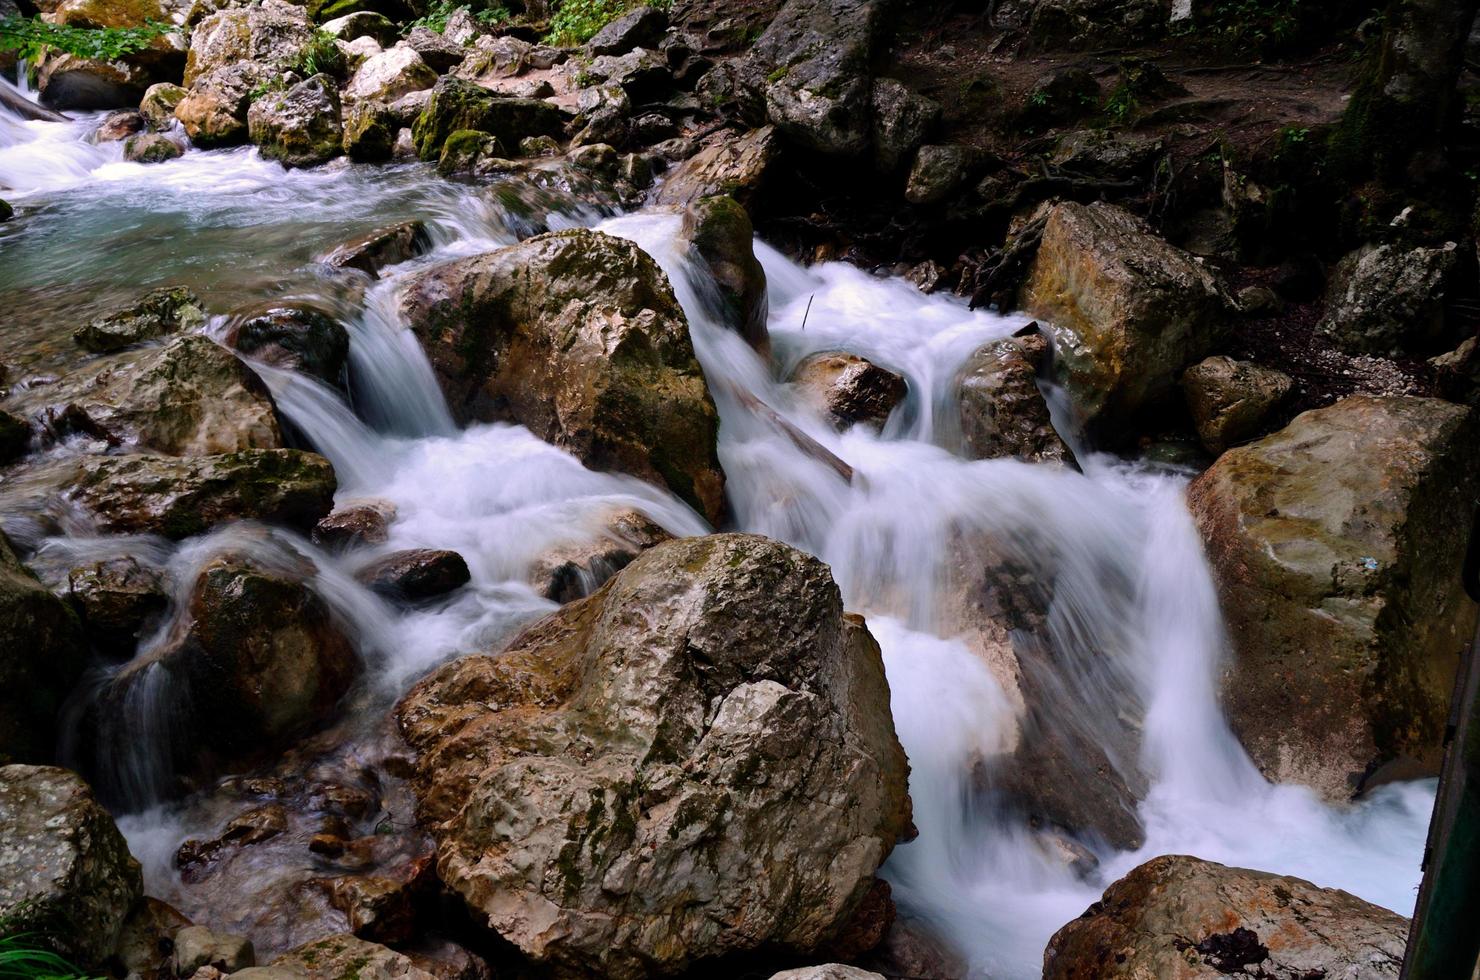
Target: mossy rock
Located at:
point(42, 652)
point(457, 105)
point(321, 11)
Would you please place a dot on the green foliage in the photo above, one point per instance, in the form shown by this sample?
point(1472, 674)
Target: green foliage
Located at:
point(577, 21)
point(1121, 104)
point(439, 12)
point(1261, 25)
point(29, 37)
point(321, 57)
point(25, 957)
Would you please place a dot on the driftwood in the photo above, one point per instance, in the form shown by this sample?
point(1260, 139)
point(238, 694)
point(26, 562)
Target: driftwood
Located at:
point(13, 101)
point(798, 438)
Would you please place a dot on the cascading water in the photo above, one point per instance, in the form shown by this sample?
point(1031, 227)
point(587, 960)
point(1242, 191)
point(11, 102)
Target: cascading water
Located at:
point(1131, 626)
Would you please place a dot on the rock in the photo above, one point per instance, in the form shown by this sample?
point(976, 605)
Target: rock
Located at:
point(642, 27)
point(462, 27)
point(370, 132)
point(902, 121)
point(352, 524)
point(492, 58)
point(295, 338)
point(6, 211)
point(301, 127)
point(641, 74)
point(735, 765)
point(1456, 373)
point(388, 76)
point(118, 126)
point(577, 336)
point(273, 37)
point(849, 390)
point(196, 858)
point(161, 311)
point(15, 437)
point(181, 497)
point(572, 571)
point(1062, 96)
point(375, 250)
point(1259, 301)
point(1002, 410)
point(1389, 301)
point(358, 51)
point(819, 55)
point(66, 875)
point(363, 23)
point(1107, 155)
point(146, 944)
point(1127, 312)
point(1088, 24)
point(717, 231)
point(214, 114)
point(736, 167)
point(158, 105)
point(457, 104)
point(341, 957)
point(1230, 400)
point(538, 146)
point(440, 53)
point(66, 81)
point(827, 971)
point(1177, 916)
point(42, 653)
point(379, 908)
point(911, 949)
point(1334, 548)
point(416, 574)
point(469, 153)
point(937, 173)
point(197, 946)
point(151, 148)
point(116, 599)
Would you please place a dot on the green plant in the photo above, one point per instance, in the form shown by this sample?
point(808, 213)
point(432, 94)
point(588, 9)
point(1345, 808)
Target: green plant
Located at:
point(320, 57)
point(25, 957)
point(1121, 104)
point(577, 21)
point(30, 37)
point(1261, 24)
point(439, 12)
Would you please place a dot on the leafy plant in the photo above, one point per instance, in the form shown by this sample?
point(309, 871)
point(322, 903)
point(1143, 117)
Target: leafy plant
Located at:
point(321, 57)
point(439, 12)
point(1121, 104)
point(577, 21)
point(24, 957)
point(29, 37)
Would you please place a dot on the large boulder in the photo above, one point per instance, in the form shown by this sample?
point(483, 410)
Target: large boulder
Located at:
point(696, 760)
point(737, 167)
point(66, 875)
point(1390, 301)
point(1002, 411)
point(214, 112)
point(180, 497)
point(577, 336)
point(299, 127)
point(68, 81)
point(457, 104)
point(1335, 547)
point(819, 55)
point(1127, 311)
point(388, 76)
point(273, 35)
point(902, 121)
point(343, 956)
point(41, 657)
point(1178, 916)
point(639, 28)
point(718, 233)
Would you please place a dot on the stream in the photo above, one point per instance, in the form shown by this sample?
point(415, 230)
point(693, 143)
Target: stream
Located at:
point(1134, 617)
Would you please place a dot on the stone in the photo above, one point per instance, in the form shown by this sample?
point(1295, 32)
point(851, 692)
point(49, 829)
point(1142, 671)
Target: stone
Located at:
point(15, 437)
point(117, 598)
point(379, 908)
point(736, 167)
point(1336, 548)
point(355, 53)
point(440, 53)
point(214, 113)
point(1108, 155)
point(172, 309)
point(42, 654)
point(415, 574)
point(938, 171)
point(596, 157)
point(735, 765)
point(827, 971)
point(903, 120)
point(355, 523)
point(1457, 373)
point(66, 875)
point(66, 81)
point(1002, 410)
point(1062, 96)
point(388, 76)
point(373, 251)
point(342, 957)
point(118, 126)
point(573, 570)
point(577, 336)
point(146, 944)
point(370, 132)
point(493, 58)
point(296, 338)
point(158, 105)
point(642, 27)
point(469, 153)
point(363, 23)
point(1230, 400)
point(641, 74)
point(181, 497)
point(718, 232)
point(1178, 916)
point(849, 390)
point(1126, 312)
point(197, 946)
point(457, 104)
point(151, 148)
point(6, 211)
point(1389, 301)
point(301, 127)
point(273, 37)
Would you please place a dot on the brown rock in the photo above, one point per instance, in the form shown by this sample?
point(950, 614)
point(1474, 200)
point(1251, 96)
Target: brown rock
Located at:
point(848, 389)
point(738, 167)
point(355, 523)
point(1002, 409)
point(573, 571)
point(386, 246)
point(415, 574)
point(1230, 400)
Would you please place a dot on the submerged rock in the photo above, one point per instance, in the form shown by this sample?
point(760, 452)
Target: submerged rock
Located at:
point(1178, 916)
point(42, 652)
point(717, 232)
point(301, 127)
point(572, 571)
point(385, 246)
point(1230, 400)
point(1389, 301)
point(172, 309)
point(1335, 547)
point(576, 335)
point(296, 338)
point(849, 390)
point(1002, 411)
point(696, 760)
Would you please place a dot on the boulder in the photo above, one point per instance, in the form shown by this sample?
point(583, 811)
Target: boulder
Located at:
point(117, 598)
point(363, 23)
point(66, 875)
point(173, 309)
point(42, 652)
point(1109, 155)
point(577, 336)
point(272, 36)
point(732, 784)
point(180, 497)
point(158, 105)
point(1087, 24)
point(440, 53)
point(492, 58)
point(355, 523)
point(343, 956)
point(642, 27)
point(642, 75)
point(357, 52)
point(375, 250)
point(1127, 311)
point(197, 946)
point(819, 55)
point(146, 944)
point(118, 126)
point(902, 121)
point(1002, 410)
point(300, 127)
point(1062, 96)
point(849, 390)
point(1390, 301)
point(469, 153)
point(936, 174)
point(298, 338)
point(736, 167)
point(1334, 546)
point(717, 232)
point(151, 148)
point(573, 570)
point(1178, 916)
point(827, 971)
point(66, 81)
point(457, 104)
point(370, 132)
point(1231, 400)
point(415, 574)
point(388, 76)
point(214, 113)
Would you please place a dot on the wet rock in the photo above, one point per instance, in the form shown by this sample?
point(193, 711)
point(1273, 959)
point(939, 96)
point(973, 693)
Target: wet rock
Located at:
point(151, 148)
point(717, 231)
point(194, 857)
point(118, 126)
point(1230, 400)
point(41, 658)
point(572, 571)
point(301, 127)
point(6, 211)
point(902, 121)
point(827, 971)
point(720, 675)
point(352, 524)
point(214, 113)
point(938, 171)
point(296, 338)
point(370, 132)
point(1334, 548)
point(116, 599)
point(372, 252)
point(388, 76)
point(911, 949)
point(66, 875)
point(1062, 96)
point(158, 105)
point(1389, 301)
point(146, 944)
point(639, 28)
point(1126, 310)
point(197, 946)
point(819, 54)
point(164, 311)
point(338, 957)
point(379, 908)
point(1002, 411)
point(576, 335)
point(15, 437)
point(440, 54)
point(469, 153)
point(180, 497)
point(1180, 916)
point(457, 104)
point(848, 389)
point(415, 574)
point(737, 167)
